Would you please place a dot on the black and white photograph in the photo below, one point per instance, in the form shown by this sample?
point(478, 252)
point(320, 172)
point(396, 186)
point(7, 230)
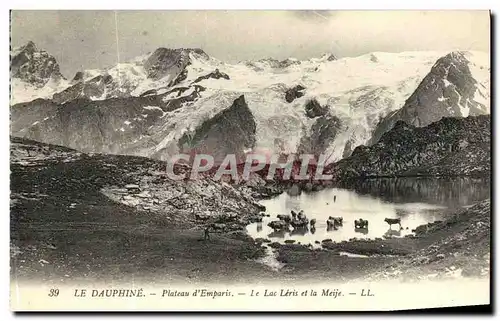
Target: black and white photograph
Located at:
point(258, 160)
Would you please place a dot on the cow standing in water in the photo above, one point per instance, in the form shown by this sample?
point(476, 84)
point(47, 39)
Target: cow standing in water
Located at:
point(392, 221)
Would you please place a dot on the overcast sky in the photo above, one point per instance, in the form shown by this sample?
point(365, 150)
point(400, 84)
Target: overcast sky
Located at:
point(88, 39)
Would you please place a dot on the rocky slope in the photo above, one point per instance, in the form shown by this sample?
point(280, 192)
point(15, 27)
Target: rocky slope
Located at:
point(457, 86)
point(77, 216)
point(449, 147)
point(293, 103)
point(119, 125)
point(48, 174)
point(231, 131)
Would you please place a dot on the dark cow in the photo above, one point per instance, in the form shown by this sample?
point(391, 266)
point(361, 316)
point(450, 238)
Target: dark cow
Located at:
point(284, 217)
point(392, 221)
point(278, 225)
point(330, 225)
point(361, 224)
point(337, 220)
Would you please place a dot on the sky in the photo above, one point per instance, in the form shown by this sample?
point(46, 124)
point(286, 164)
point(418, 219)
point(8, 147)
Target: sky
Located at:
point(98, 39)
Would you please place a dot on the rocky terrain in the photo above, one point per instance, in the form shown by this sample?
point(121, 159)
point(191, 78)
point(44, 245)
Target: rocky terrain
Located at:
point(76, 216)
point(231, 131)
point(449, 147)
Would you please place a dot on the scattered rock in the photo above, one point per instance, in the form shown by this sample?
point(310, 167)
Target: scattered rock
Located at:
point(133, 188)
point(294, 93)
point(314, 109)
point(275, 245)
point(216, 74)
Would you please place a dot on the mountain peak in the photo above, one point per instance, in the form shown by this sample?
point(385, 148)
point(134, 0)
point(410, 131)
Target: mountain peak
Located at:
point(164, 60)
point(33, 65)
point(328, 56)
point(30, 46)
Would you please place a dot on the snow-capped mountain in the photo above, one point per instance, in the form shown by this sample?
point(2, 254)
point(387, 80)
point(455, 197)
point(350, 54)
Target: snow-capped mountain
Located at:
point(458, 85)
point(163, 68)
point(174, 100)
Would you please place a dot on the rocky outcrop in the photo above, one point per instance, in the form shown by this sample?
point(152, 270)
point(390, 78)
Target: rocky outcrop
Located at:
point(216, 74)
point(229, 132)
point(323, 132)
point(164, 61)
point(329, 57)
point(78, 76)
point(94, 88)
point(107, 180)
point(293, 93)
point(314, 109)
point(449, 147)
point(449, 90)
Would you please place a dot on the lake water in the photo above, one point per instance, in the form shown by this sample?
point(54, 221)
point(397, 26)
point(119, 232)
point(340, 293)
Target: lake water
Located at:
point(416, 201)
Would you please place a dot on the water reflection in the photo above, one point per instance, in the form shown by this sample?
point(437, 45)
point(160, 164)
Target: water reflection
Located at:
point(363, 230)
point(450, 192)
point(392, 233)
point(415, 201)
point(299, 231)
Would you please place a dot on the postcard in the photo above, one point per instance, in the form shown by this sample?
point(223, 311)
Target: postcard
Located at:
point(249, 160)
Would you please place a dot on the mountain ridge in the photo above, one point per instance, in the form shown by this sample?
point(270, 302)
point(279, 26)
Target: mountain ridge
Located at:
point(183, 88)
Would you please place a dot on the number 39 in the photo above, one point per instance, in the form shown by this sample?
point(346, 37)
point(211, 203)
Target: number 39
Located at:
point(53, 292)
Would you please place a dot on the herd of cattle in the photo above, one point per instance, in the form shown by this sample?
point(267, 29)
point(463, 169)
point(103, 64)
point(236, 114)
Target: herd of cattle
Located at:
point(300, 223)
point(299, 220)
